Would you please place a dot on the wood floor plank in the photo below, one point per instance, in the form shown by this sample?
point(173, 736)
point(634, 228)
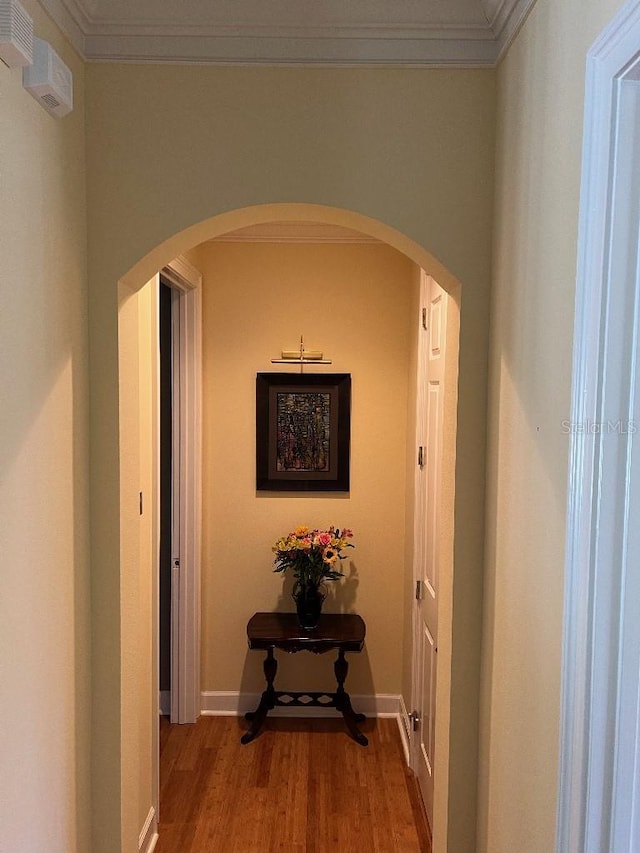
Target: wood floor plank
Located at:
point(303, 786)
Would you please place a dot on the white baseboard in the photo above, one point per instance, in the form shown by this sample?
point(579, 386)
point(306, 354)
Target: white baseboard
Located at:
point(165, 703)
point(404, 726)
point(149, 833)
point(220, 703)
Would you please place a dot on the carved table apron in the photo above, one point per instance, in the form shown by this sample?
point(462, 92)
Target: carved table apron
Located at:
point(342, 631)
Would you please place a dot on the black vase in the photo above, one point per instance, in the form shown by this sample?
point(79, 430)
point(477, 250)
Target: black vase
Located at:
point(308, 599)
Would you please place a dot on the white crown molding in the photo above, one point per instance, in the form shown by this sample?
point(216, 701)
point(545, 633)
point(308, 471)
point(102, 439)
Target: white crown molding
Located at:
point(340, 52)
point(296, 232)
point(419, 32)
point(509, 18)
point(495, 10)
point(74, 24)
point(410, 45)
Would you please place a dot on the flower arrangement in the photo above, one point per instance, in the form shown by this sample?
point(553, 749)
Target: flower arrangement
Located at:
point(312, 555)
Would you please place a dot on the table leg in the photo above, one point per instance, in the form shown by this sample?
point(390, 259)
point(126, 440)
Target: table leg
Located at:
point(267, 700)
point(343, 701)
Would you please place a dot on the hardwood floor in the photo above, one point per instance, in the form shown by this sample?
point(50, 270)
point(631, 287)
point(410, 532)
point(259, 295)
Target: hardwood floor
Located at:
point(303, 786)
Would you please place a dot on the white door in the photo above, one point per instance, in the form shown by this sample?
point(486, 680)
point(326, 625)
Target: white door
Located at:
point(430, 409)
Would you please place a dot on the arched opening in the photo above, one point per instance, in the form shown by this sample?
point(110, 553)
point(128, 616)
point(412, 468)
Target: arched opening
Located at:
point(132, 615)
point(175, 245)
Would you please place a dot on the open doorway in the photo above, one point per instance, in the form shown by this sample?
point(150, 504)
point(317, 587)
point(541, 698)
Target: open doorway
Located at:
point(179, 478)
point(166, 497)
point(260, 286)
point(375, 360)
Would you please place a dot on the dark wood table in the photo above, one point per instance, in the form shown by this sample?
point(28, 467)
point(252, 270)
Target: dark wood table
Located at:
point(342, 631)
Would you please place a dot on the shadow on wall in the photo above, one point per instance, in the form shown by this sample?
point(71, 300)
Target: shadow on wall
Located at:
point(340, 595)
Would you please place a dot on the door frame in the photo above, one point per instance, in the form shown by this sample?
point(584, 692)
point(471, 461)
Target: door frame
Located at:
point(597, 501)
point(186, 329)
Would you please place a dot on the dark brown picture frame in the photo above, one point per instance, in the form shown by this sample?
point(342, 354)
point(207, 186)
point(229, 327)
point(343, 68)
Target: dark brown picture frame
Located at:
point(303, 432)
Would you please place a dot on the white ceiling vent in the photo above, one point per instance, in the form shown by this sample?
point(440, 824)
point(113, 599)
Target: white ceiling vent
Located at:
point(16, 34)
point(49, 80)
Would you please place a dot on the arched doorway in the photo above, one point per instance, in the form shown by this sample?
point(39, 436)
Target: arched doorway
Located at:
point(128, 638)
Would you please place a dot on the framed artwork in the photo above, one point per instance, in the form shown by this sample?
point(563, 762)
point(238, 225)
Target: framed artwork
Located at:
point(303, 426)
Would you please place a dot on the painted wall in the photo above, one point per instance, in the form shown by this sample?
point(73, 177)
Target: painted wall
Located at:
point(411, 149)
point(44, 515)
point(540, 119)
point(352, 302)
point(138, 324)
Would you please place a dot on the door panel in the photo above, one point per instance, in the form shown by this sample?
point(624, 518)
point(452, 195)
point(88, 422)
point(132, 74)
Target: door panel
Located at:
point(432, 483)
point(430, 413)
point(427, 722)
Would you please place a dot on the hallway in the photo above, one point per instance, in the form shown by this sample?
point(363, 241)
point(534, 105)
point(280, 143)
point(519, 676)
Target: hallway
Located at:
point(302, 787)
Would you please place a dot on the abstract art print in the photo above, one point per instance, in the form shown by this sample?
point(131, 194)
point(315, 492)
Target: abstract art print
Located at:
point(303, 431)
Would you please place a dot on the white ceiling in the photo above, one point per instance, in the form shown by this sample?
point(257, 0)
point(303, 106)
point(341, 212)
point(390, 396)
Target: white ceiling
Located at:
point(417, 33)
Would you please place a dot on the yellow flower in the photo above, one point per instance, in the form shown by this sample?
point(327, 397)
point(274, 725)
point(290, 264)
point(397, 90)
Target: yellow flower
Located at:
point(330, 556)
point(301, 531)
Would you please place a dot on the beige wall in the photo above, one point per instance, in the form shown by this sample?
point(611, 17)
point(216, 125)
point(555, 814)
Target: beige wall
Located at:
point(144, 674)
point(44, 627)
point(540, 117)
point(410, 149)
point(138, 324)
point(352, 302)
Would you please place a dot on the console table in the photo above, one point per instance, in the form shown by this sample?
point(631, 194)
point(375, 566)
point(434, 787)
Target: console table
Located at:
point(342, 631)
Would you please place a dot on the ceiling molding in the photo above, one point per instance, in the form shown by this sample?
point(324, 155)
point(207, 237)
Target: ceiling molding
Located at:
point(510, 17)
point(74, 25)
point(295, 232)
point(410, 45)
point(417, 53)
point(493, 9)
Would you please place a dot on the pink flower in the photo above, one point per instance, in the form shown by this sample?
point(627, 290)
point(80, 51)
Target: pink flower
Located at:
point(323, 539)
